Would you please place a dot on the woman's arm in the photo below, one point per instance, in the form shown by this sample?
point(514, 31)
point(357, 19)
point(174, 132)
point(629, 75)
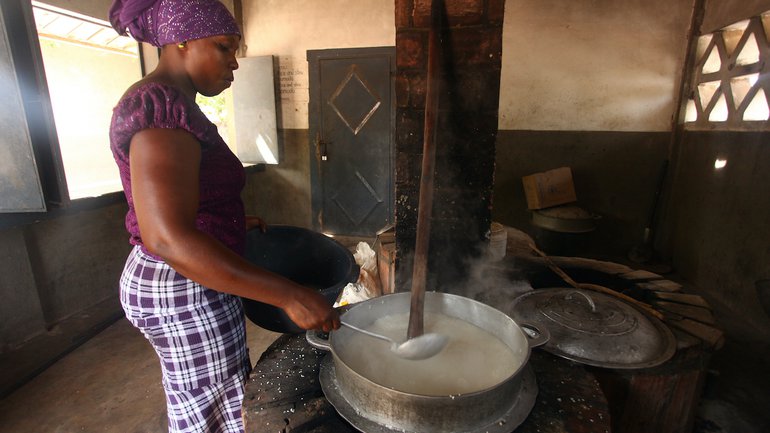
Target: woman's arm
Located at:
point(164, 181)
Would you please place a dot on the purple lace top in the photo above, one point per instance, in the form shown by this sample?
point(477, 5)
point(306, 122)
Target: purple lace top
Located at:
point(156, 105)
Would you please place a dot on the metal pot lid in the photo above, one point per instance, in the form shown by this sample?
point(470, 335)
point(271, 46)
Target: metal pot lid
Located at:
point(596, 329)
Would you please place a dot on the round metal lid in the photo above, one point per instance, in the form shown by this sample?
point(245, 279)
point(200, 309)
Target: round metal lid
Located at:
point(596, 329)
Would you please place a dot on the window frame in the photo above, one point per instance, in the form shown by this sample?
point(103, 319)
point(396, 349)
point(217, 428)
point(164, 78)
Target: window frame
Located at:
point(24, 46)
point(18, 18)
point(730, 69)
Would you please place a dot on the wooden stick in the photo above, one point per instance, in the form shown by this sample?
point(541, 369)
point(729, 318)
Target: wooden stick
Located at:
point(420, 271)
point(595, 287)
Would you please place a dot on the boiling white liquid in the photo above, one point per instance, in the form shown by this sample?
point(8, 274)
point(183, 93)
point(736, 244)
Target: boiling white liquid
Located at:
point(472, 360)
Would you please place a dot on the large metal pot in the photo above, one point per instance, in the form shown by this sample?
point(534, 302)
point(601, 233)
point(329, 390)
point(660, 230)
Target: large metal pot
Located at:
point(504, 405)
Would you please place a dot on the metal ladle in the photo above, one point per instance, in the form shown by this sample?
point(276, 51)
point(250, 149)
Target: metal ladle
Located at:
point(422, 347)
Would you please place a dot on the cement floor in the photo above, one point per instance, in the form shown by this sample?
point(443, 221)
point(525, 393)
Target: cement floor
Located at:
point(110, 384)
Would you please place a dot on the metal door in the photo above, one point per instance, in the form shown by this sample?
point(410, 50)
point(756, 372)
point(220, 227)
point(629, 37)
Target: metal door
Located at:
point(351, 133)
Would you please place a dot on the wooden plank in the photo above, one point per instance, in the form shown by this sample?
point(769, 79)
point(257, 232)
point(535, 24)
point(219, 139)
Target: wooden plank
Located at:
point(712, 337)
point(700, 314)
point(660, 285)
point(661, 403)
point(682, 298)
point(685, 340)
point(594, 265)
point(641, 274)
point(386, 267)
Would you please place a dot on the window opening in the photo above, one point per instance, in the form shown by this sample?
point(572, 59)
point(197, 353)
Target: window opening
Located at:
point(703, 44)
point(765, 18)
point(757, 109)
point(729, 85)
point(88, 66)
point(217, 110)
point(706, 92)
point(749, 54)
point(719, 112)
point(714, 62)
point(690, 112)
point(741, 86)
point(732, 35)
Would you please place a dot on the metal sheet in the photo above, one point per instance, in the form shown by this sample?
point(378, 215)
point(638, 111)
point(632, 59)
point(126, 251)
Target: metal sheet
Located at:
point(20, 188)
point(256, 133)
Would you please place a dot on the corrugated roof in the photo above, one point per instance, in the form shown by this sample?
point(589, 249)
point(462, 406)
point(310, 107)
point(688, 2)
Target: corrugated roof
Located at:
point(62, 25)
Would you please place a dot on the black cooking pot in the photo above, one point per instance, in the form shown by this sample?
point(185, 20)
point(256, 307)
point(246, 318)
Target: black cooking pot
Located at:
point(303, 256)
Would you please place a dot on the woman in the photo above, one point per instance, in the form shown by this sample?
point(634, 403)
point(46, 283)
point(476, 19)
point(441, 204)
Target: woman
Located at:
point(183, 279)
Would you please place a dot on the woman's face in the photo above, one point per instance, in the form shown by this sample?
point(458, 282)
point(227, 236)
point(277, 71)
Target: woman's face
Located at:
point(210, 63)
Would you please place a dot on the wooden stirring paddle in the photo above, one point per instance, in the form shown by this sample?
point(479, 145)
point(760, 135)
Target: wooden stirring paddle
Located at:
point(420, 270)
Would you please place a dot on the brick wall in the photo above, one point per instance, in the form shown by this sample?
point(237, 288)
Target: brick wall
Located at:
point(471, 47)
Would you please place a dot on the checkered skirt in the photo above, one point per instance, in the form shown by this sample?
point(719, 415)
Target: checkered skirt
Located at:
point(200, 338)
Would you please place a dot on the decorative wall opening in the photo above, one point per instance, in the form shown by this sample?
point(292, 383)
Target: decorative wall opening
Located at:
point(730, 81)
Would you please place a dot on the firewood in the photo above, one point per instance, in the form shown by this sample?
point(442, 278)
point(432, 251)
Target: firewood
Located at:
point(682, 298)
point(712, 337)
point(699, 314)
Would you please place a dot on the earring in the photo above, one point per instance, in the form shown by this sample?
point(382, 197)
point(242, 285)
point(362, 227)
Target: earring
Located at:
point(182, 44)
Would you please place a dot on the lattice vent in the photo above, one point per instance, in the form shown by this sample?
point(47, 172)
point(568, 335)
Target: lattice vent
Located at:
point(730, 84)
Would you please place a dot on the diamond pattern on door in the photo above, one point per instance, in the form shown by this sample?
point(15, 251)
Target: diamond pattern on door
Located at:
point(357, 199)
point(354, 101)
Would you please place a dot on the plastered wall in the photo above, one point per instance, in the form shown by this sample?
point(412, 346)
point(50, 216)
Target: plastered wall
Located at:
point(287, 29)
point(600, 65)
point(720, 13)
point(715, 229)
point(592, 86)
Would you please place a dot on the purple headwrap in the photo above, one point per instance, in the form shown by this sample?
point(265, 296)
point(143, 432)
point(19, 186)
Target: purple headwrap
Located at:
point(163, 22)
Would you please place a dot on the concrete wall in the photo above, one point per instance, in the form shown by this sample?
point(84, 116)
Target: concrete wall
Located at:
point(721, 13)
point(59, 285)
point(614, 173)
point(287, 29)
point(593, 86)
point(716, 229)
point(21, 315)
point(600, 65)
point(280, 194)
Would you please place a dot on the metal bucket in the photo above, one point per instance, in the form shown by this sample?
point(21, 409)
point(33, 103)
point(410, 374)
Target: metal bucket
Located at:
point(408, 412)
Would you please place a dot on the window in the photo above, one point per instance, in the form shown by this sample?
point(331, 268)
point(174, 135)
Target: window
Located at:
point(88, 66)
point(61, 74)
point(730, 88)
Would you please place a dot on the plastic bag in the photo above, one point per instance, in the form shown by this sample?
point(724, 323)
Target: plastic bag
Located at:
point(368, 285)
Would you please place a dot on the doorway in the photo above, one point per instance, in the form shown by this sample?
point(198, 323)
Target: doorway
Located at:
point(352, 116)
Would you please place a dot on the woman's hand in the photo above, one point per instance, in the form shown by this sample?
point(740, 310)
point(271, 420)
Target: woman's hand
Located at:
point(310, 310)
point(254, 222)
